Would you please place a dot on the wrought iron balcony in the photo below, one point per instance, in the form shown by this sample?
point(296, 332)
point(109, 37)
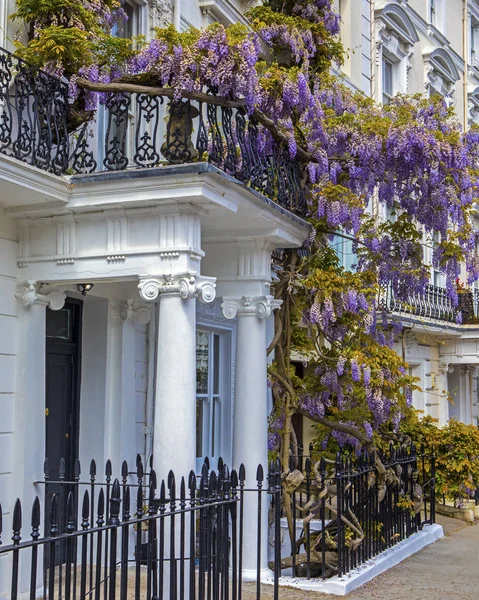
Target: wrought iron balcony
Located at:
point(434, 303)
point(136, 131)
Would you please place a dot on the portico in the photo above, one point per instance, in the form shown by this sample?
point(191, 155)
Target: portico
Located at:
point(155, 244)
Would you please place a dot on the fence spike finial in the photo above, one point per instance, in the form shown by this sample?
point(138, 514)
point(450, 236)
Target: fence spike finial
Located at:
point(182, 489)
point(292, 463)
point(46, 469)
point(17, 522)
point(62, 469)
point(153, 479)
point(77, 469)
point(124, 471)
point(126, 504)
point(192, 481)
point(242, 473)
point(139, 469)
point(101, 508)
point(115, 501)
point(92, 470)
point(259, 474)
point(53, 516)
point(139, 502)
point(36, 518)
point(108, 470)
point(70, 524)
point(85, 511)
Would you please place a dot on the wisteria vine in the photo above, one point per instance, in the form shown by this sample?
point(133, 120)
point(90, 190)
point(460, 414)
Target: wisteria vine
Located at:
point(379, 176)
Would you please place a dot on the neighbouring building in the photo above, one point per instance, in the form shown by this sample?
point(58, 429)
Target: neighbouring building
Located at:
point(425, 47)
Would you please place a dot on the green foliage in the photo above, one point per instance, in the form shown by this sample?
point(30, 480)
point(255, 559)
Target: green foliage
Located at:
point(456, 447)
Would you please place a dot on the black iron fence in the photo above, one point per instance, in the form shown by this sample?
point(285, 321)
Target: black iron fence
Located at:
point(434, 303)
point(39, 125)
point(184, 538)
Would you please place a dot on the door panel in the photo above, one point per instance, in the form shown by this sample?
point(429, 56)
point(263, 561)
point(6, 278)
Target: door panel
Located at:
point(62, 380)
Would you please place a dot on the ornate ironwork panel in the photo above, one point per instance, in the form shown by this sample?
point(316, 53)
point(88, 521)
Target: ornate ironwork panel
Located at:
point(41, 125)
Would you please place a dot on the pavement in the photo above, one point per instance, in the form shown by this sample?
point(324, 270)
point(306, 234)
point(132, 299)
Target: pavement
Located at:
point(445, 570)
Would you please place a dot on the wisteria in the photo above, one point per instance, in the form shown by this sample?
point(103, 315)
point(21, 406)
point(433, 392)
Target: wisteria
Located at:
point(381, 178)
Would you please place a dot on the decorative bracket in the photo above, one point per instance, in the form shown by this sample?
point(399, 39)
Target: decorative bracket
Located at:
point(131, 310)
point(259, 306)
point(186, 285)
point(30, 296)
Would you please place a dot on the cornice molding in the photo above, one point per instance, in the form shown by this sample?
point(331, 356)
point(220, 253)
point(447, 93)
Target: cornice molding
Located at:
point(186, 285)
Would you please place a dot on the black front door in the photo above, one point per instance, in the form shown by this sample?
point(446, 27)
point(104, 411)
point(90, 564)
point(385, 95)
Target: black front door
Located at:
point(63, 332)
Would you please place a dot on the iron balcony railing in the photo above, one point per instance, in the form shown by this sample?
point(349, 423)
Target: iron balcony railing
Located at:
point(434, 303)
point(39, 125)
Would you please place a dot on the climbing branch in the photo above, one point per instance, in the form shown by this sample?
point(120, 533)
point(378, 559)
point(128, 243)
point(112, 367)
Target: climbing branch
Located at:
point(122, 86)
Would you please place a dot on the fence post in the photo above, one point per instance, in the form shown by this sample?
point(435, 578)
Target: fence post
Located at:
point(234, 534)
point(339, 497)
point(16, 538)
point(433, 488)
point(277, 526)
point(259, 484)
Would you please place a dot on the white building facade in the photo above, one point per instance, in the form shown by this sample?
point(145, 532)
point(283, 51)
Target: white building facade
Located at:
point(135, 304)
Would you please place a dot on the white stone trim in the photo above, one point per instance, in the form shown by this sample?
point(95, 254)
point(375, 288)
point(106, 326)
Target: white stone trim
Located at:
point(186, 285)
point(341, 586)
point(29, 296)
point(259, 306)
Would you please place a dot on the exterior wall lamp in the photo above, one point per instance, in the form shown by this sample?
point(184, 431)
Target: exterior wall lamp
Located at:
point(84, 288)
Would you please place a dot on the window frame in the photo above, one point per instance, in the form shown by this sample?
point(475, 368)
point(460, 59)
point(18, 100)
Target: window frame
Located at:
point(224, 424)
point(388, 95)
point(433, 13)
point(139, 28)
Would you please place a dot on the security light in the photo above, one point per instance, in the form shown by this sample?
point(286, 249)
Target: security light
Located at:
point(84, 288)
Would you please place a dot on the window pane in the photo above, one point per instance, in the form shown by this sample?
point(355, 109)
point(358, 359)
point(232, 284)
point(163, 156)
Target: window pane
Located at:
point(387, 77)
point(202, 351)
point(199, 427)
point(59, 324)
point(216, 365)
point(216, 430)
point(128, 28)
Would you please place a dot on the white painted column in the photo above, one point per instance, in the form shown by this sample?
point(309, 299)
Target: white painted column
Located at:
point(29, 411)
point(174, 445)
point(250, 429)
point(174, 436)
point(29, 419)
point(443, 391)
point(465, 395)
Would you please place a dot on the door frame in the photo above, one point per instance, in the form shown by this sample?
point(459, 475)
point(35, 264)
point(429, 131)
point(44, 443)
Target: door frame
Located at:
point(51, 344)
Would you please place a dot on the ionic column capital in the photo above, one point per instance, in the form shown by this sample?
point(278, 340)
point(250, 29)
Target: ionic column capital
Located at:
point(28, 296)
point(186, 285)
point(256, 306)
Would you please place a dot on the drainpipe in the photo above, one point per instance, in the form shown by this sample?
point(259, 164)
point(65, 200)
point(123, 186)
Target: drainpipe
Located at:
point(150, 392)
point(464, 52)
point(372, 36)
point(177, 14)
